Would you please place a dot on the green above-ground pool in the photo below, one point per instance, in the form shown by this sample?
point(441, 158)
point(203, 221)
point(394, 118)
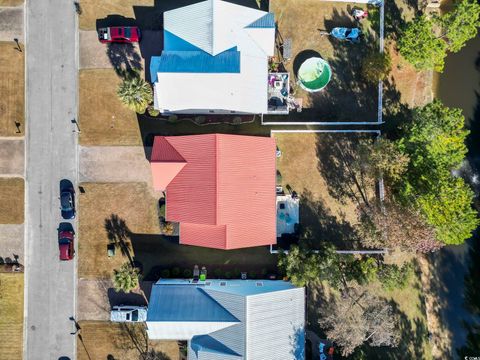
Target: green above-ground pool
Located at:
point(314, 74)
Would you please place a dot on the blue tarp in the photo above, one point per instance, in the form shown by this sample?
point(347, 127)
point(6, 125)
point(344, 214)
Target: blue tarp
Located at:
point(345, 33)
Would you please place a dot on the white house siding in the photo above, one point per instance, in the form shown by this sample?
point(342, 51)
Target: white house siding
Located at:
point(272, 320)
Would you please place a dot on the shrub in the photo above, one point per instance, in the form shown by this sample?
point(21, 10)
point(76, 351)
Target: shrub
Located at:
point(395, 277)
point(167, 228)
point(187, 273)
point(217, 273)
point(264, 273)
point(152, 111)
point(252, 274)
point(172, 118)
point(200, 119)
point(279, 177)
point(176, 272)
point(237, 120)
point(236, 273)
point(228, 275)
point(165, 273)
point(161, 209)
point(376, 66)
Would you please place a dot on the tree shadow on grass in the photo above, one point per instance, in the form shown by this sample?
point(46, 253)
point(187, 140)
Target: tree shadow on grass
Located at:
point(337, 155)
point(320, 225)
point(119, 235)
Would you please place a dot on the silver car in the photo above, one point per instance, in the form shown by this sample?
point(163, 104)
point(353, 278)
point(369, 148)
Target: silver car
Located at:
point(126, 313)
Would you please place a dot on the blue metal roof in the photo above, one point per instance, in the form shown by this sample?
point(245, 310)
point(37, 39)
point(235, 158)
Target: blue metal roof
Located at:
point(266, 21)
point(208, 344)
point(195, 62)
point(172, 42)
point(185, 303)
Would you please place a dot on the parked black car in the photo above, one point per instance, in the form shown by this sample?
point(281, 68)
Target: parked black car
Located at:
point(67, 203)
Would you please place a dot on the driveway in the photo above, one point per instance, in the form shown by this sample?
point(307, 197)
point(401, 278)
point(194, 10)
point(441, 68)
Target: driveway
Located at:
point(97, 296)
point(11, 243)
point(114, 164)
point(95, 55)
point(11, 23)
point(12, 157)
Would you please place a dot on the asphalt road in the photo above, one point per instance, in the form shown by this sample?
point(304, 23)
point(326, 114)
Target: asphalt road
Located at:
point(51, 143)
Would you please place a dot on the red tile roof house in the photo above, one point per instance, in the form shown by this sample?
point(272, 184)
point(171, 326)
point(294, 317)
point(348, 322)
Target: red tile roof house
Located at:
point(220, 188)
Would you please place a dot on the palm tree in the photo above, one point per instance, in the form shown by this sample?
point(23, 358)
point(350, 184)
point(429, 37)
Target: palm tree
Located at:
point(135, 93)
point(126, 278)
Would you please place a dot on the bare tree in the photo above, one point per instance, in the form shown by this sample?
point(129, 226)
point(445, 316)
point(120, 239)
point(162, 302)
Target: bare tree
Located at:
point(351, 321)
point(394, 226)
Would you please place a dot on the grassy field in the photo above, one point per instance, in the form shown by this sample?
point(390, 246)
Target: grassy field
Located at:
point(132, 202)
point(11, 2)
point(102, 117)
point(106, 340)
point(12, 203)
point(328, 200)
point(347, 97)
point(93, 10)
point(137, 206)
point(11, 90)
point(11, 316)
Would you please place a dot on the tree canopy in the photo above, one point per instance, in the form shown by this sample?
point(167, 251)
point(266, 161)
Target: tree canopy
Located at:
point(422, 46)
point(135, 93)
point(435, 143)
point(126, 278)
point(460, 25)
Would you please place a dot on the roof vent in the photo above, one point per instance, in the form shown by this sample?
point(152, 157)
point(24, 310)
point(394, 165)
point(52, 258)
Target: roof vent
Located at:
point(259, 283)
point(223, 283)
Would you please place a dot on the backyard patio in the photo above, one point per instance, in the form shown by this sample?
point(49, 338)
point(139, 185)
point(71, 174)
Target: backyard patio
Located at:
point(347, 97)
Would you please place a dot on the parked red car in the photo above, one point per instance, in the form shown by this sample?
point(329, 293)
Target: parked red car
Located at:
point(66, 244)
point(119, 34)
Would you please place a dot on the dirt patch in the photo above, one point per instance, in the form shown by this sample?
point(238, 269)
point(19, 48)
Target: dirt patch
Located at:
point(12, 157)
point(11, 90)
point(12, 205)
point(11, 319)
point(105, 340)
point(132, 202)
point(104, 120)
point(414, 87)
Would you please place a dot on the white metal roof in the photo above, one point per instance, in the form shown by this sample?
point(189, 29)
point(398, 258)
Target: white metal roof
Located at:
point(215, 26)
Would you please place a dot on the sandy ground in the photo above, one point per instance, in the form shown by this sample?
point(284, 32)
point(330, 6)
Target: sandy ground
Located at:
point(11, 243)
point(114, 164)
point(11, 23)
point(11, 157)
